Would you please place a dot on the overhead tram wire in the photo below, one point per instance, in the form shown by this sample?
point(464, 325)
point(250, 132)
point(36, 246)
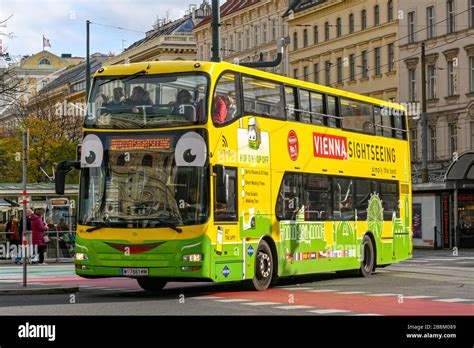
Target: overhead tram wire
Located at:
point(393, 42)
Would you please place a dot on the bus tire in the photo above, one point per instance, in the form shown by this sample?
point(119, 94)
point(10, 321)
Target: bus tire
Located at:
point(367, 265)
point(151, 284)
point(264, 267)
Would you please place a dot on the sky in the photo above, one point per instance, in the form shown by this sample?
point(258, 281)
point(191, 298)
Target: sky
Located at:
point(63, 22)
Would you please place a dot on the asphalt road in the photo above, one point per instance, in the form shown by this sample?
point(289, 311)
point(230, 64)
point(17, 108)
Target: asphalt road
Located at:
point(432, 283)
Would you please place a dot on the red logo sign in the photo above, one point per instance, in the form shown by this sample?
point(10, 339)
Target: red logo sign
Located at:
point(330, 146)
point(293, 147)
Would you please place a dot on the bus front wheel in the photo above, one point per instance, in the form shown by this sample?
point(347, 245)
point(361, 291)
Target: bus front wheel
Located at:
point(151, 284)
point(368, 261)
point(264, 267)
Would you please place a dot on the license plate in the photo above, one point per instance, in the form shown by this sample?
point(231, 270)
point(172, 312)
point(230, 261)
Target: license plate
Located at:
point(134, 272)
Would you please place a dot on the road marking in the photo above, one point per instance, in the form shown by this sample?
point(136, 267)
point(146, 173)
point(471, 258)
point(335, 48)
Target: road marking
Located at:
point(352, 292)
point(259, 303)
point(293, 307)
point(329, 311)
point(233, 300)
point(297, 288)
point(380, 295)
point(206, 297)
point(322, 290)
point(363, 314)
point(452, 300)
point(418, 296)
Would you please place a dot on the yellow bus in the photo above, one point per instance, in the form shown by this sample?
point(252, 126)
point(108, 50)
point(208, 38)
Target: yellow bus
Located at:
point(195, 171)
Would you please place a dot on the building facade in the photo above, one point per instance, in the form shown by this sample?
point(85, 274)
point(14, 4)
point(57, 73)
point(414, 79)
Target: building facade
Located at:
point(33, 73)
point(346, 44)
point(446, 29)
point(167, 40)
point(444, 208)
point(249, 30)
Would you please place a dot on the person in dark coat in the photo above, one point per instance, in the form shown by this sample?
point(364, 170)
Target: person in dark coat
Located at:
point(38, 228)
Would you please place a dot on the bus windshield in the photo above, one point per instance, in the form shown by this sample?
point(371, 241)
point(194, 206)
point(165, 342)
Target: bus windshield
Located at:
point(147, 101)
point(140, 182)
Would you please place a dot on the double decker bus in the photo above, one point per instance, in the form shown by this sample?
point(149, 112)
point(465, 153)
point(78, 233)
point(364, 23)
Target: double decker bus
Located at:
point(219, 172)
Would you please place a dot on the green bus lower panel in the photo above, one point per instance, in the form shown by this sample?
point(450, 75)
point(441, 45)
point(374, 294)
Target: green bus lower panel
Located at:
point(228, 271)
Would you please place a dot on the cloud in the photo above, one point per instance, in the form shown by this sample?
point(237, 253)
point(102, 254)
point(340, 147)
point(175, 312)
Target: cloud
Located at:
point(63, 22)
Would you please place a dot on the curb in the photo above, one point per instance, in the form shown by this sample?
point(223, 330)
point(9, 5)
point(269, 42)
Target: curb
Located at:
point(39, 291)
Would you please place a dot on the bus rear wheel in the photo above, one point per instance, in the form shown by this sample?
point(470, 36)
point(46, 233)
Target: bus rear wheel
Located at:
point(368, 262)
point(264, 267)
point(151, 284)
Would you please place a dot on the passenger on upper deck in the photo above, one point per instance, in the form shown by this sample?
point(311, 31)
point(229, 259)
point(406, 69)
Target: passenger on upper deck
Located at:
point(139, 97)
point(219, 109)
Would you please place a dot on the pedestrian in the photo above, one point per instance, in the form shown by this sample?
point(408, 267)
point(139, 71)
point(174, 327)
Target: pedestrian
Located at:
point(38, 228)
point(14, 238)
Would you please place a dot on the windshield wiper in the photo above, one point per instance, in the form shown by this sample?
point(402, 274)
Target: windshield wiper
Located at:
point(102, 224)
point(126, 79)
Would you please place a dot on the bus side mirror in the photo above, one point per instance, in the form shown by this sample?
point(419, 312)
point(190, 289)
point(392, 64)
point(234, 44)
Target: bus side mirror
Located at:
point(221, 184)
point(63, 168)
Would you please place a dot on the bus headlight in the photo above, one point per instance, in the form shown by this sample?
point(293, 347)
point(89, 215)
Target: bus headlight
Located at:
point(192, 258)
point(81, 257)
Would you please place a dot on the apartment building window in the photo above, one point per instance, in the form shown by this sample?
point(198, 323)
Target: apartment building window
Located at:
point(471, 74)
point(326, 31)
point(391, 57)
point(295, 41)
point(378, 69)
point(365, 64)
point(257, 36)
point(363, 20)
point(351, 23)
point(306, 73)
point(411, 27)
point(376, 15)
point(352, 67)
point(453, 137)
point(316, 73)
point(305, 38)
point(472, 135)
point(412, 84)
point(338, 27)
point(316, 34)
point(327, 72)
point(471, 13)
point(414, 144)
point(430, 22)
point(295, 73)
point(450, 16)
point(390, 10)
point(452, 83)
point(431, 81)
point(432, 144)
point(339, 70)
point(273, 29)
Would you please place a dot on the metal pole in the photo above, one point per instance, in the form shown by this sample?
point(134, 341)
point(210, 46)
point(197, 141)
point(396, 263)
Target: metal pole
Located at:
point(424, 118)
point(88, 63)
point(215, 31)
point(25, 233)
point(455, 217)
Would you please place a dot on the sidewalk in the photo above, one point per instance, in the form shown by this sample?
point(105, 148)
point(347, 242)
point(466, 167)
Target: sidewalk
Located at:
point(15, 288)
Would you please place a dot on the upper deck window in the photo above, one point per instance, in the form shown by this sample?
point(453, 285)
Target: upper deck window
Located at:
point(147, 101)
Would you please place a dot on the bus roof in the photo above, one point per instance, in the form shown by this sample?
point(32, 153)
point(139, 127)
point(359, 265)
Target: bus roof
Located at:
point(168, 67)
